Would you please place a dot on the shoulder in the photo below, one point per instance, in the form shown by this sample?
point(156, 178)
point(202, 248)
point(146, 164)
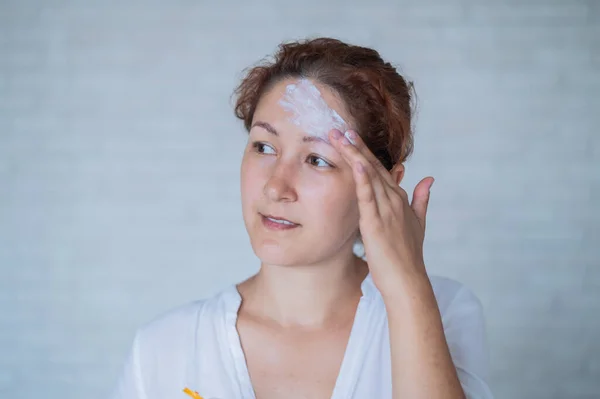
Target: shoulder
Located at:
point(453, 296)
point(178, 326)
point(164, 346)
point(173, 321)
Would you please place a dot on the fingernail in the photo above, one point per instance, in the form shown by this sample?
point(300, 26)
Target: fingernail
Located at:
point(336, 134)
point(351, 136)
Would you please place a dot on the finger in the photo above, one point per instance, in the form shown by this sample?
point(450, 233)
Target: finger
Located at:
point(367, 201)
point(353, 156)
point(420, 200)
point(358, 142)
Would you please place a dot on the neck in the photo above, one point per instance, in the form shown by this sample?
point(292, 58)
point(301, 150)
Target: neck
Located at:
point(314, 296)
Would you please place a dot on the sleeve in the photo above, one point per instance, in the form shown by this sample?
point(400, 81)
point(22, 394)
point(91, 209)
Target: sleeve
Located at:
point(129, 384)
point(464, 327)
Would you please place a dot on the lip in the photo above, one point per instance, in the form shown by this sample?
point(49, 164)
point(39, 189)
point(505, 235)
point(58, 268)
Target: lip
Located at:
point(277, 226)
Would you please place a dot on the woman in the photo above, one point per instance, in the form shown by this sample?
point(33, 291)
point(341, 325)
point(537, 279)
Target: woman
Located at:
point(329, 128)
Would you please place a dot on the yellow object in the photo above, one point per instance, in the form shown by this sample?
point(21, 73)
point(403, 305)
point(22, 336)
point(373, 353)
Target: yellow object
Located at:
point(193, 394)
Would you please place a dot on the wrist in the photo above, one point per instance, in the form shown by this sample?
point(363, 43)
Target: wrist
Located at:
point(404, 284)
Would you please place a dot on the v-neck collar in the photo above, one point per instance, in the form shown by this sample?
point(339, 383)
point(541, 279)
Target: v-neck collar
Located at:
point(353, 356)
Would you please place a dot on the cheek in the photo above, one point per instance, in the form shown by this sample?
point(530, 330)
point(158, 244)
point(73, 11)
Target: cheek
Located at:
point(334, 201)
point(248, 178)
point(253, 177)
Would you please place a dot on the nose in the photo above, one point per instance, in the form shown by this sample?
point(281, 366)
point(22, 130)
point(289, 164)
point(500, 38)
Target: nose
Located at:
point(280, 184)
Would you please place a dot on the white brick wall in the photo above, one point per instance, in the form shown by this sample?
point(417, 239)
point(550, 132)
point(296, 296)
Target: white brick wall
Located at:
point(119, 159)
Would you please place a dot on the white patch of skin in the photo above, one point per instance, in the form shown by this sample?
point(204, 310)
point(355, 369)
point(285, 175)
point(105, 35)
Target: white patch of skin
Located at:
point(309, 111)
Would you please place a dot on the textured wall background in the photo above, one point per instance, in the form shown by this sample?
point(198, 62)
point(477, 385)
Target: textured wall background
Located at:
point(119, 167)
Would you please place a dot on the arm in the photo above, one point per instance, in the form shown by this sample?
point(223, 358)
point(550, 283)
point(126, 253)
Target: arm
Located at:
point(393, 231)
point(422, 366)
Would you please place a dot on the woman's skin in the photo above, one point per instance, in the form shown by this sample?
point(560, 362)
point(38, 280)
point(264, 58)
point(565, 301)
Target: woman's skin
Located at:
point(297, 311)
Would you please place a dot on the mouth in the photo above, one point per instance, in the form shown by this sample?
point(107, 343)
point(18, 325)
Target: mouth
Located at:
point(277, 222)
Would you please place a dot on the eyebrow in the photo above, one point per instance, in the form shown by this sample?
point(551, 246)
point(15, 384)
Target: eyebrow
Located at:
point(273, 131)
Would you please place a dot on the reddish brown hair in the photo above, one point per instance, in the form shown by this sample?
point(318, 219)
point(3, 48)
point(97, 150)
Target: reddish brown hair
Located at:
point(376, 96)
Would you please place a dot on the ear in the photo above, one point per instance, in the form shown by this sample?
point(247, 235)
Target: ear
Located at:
point(397, 173)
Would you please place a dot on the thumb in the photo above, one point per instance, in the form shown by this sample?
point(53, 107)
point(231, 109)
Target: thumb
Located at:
point(420, 199)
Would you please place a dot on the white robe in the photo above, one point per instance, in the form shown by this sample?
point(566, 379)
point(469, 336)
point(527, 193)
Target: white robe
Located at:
point(197, 346)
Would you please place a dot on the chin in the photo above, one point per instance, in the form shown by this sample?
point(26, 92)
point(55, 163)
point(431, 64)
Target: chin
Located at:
point(271, 253)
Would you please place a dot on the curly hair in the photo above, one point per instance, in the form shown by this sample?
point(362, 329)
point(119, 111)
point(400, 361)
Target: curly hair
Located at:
point(376, 96)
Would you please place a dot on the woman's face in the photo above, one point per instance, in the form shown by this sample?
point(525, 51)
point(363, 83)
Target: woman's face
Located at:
point(289, 174)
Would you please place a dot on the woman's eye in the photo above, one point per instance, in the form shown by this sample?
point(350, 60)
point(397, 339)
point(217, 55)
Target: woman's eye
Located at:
point(262, 148)
point(318, 162)
point(265, 149)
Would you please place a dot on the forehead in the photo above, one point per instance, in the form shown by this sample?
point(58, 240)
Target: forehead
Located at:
point(270, 103)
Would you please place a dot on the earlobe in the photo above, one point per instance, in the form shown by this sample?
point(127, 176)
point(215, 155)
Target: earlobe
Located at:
point(398, 173)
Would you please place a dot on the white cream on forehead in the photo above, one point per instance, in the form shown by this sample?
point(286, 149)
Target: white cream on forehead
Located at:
point(309, 110)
